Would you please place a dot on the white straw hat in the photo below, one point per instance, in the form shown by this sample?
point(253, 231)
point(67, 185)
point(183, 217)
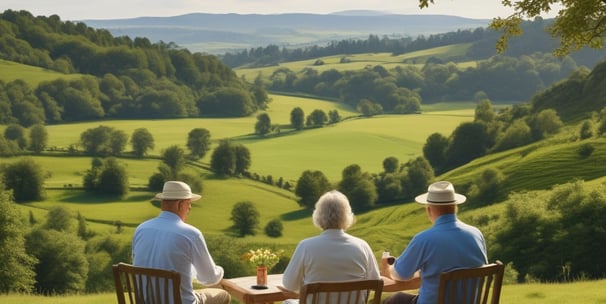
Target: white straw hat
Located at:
point(174, 190)
point(440, 193)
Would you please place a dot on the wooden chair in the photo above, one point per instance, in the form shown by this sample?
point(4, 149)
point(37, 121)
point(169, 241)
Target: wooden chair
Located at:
point(472, 285)
point(146, 285)
point(349, 292)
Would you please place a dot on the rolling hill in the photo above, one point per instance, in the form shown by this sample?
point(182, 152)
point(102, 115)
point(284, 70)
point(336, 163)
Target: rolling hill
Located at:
point(217, 33)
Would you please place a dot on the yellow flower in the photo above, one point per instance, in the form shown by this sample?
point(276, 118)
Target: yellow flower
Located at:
point(263, 257)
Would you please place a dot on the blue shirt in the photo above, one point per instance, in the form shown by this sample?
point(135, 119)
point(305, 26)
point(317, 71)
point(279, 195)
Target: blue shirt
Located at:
point(166, 242)
point(448, 245)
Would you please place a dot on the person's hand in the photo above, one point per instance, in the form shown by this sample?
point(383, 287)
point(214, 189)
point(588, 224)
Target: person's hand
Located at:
point(386, 263)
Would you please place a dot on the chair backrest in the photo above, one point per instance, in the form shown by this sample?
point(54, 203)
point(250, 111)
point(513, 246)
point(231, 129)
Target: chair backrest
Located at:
point(146, 285)
point(349, 292)
point(472, 285)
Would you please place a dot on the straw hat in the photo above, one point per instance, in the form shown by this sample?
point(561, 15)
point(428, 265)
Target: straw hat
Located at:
point(174, 190)
point(440, 193)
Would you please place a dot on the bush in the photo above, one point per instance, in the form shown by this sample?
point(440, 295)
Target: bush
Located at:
point(274, 228)
point(585, 150)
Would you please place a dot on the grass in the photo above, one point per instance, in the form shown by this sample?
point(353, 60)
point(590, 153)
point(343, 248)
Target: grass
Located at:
point(586, 292)
point(30, 74)
point(364, 141)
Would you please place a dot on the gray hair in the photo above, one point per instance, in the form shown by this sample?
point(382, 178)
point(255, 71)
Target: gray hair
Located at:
point(333, 211)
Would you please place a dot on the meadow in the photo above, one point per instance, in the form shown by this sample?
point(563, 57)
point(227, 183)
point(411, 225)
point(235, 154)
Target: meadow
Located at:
point(30, 74)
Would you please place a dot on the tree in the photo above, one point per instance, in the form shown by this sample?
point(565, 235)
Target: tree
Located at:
point(545, 123)
point(141, 141)
point(198, 142)
point(223, 159)
point(468, 141)
point(586, 130)
point(174, 158)
point(243, 159)
point(245, 217)
point(17, 267)
point(263, 125)
point(391, 164)
point(62, 266)
point(333, 116)
point(107, 177)
point(575, 27)
point(484, 112)
point(59, 219)
point(358, 187)
point(16, 133)
point(117, 142)
point(517, 134)
point(297, 120)
point(26, 178)
point(418, 174)
point(317, 118)
point(434, 150)
point(103, 141)
point(38, 138)
point(310, 186)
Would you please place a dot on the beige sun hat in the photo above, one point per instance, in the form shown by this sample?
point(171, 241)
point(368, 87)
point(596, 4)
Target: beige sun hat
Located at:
point(440, 193)
point(175, 190)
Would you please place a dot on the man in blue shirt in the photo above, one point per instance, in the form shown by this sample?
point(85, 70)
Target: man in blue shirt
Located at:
point(449, 244)
point(167, 242)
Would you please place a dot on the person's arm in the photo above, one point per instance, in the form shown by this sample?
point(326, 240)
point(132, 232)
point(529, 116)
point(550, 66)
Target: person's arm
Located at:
point(293, 274)
point(207, 272)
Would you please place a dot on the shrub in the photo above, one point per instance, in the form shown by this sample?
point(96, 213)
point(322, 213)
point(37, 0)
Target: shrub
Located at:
point(274, 228)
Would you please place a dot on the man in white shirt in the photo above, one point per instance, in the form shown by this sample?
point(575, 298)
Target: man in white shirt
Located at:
point(167, 242)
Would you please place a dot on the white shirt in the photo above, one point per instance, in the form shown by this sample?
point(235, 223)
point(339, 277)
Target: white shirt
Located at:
point(166, 242)
point(331, 256)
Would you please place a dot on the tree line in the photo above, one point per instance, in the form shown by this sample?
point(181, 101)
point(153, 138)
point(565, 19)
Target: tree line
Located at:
point(482, 40)
point(123, 77)
point(403, 89)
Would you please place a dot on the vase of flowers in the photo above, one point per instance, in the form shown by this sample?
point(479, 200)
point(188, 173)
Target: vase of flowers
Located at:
point(263, 259)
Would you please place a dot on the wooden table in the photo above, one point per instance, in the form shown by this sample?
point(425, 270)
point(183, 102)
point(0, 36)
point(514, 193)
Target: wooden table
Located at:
point(240, 288)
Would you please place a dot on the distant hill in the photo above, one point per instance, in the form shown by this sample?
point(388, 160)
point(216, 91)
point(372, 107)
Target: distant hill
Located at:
point(218, 33)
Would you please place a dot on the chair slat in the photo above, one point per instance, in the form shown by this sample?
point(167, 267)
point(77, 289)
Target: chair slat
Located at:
point(343, 292)
point(472, 285)
point(146, 285)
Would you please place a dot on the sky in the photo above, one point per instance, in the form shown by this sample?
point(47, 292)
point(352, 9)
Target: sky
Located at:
point(119, 9)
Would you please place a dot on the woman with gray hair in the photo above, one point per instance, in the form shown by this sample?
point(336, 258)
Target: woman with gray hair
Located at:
point(333, 255)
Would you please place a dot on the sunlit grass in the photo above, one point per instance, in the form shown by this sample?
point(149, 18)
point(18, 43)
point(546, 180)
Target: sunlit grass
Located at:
point(30, 74)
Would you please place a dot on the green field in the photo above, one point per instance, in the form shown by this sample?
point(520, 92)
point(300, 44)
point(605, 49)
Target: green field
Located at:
point(30, 74)
point(363, 141)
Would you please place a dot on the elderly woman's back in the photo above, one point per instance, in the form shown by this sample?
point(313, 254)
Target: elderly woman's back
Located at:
point(333, 255)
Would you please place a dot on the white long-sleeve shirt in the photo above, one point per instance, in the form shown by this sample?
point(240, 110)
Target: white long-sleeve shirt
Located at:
point(331, 256)
point(166, 242)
